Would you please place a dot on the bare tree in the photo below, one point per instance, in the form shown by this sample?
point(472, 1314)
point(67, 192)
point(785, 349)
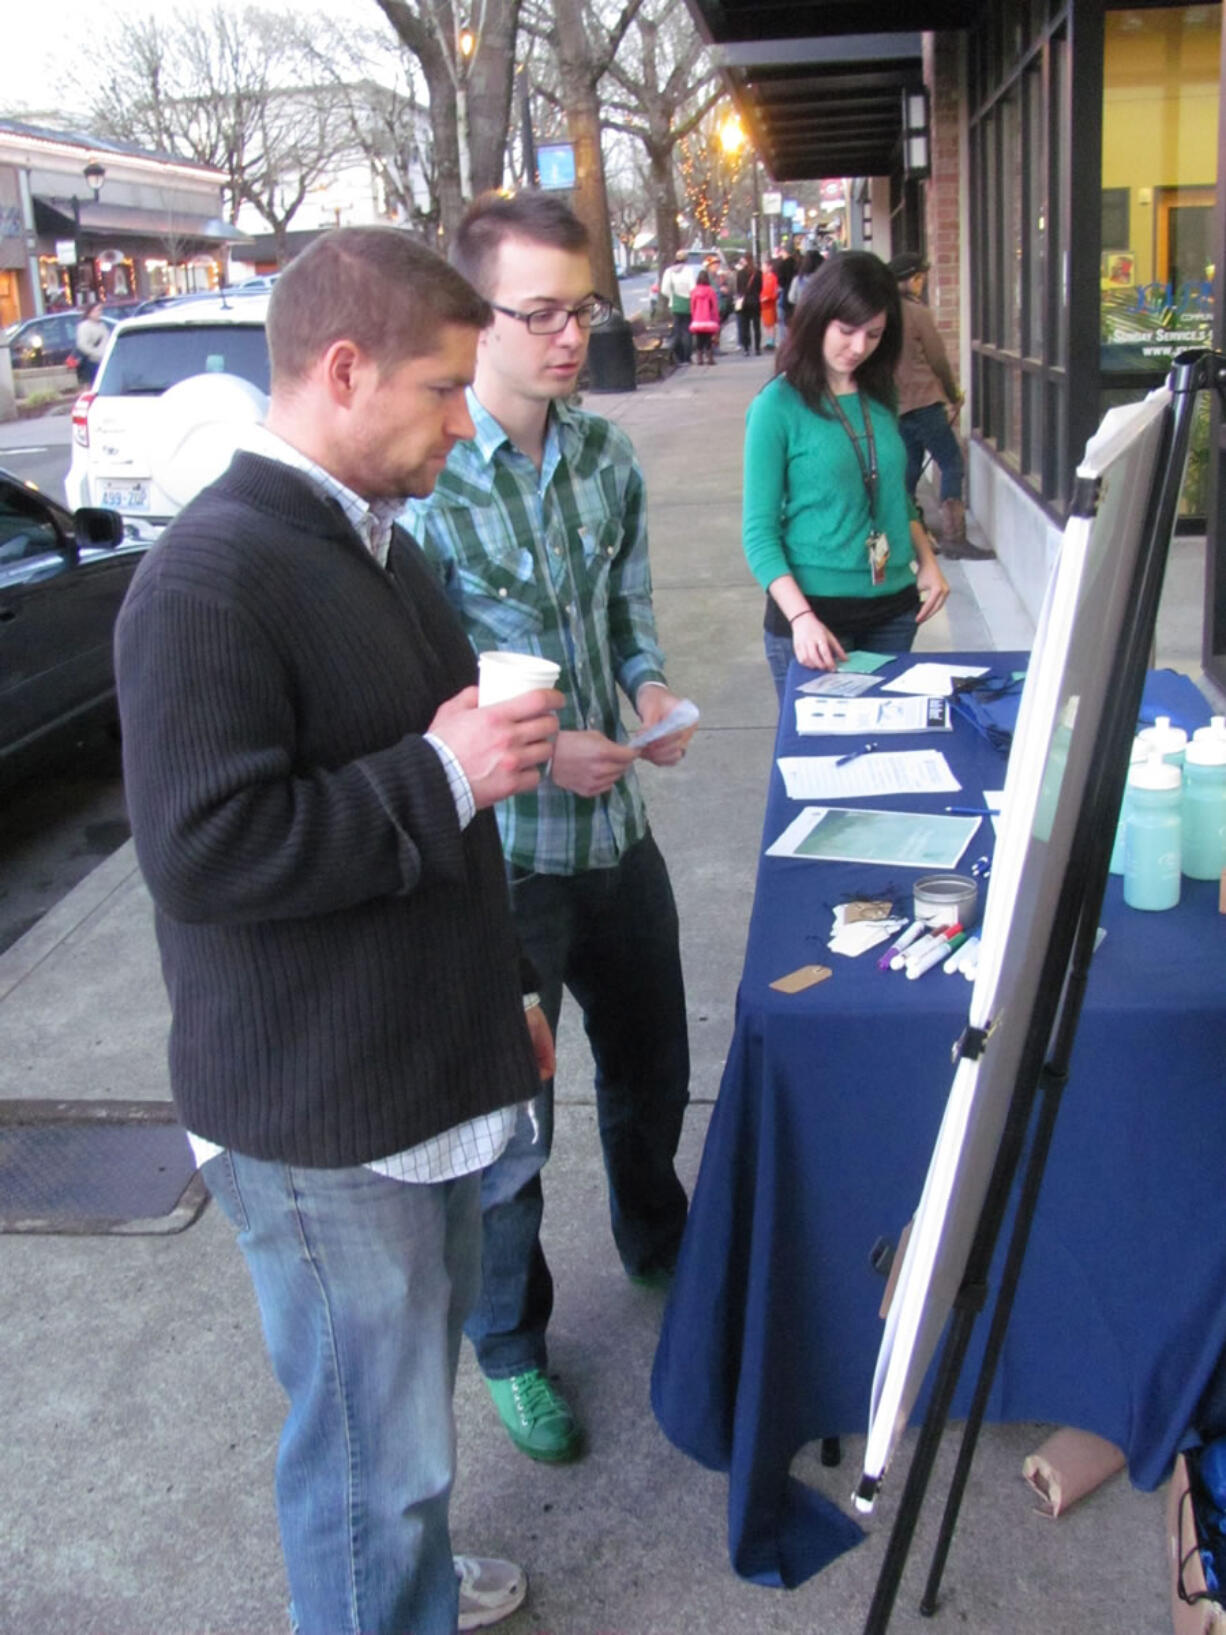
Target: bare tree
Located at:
point(229, 90)
point(584, 45)
point(629, 204)
point(468, 63)
point(378, 85)
point(665, 86)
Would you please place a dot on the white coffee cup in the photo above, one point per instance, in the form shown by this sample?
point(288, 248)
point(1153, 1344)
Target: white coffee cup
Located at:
point(503, 675)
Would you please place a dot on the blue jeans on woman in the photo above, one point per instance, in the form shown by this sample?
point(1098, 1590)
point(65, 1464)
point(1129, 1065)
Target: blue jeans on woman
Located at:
point(928, 430)
point(363, 1284)
point(611, 937)
point(896, 635)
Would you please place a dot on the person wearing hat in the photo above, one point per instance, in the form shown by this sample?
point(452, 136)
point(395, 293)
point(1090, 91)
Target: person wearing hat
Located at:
point(927, 391)
point(676, 287)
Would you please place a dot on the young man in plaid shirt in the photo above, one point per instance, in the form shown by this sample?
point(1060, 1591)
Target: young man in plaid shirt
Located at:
point(538, 529)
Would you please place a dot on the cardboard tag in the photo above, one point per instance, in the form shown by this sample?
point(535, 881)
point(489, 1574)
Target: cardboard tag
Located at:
point(805, 976)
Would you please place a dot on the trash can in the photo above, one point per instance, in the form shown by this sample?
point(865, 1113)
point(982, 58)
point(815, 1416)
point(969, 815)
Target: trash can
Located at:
point(610, 356)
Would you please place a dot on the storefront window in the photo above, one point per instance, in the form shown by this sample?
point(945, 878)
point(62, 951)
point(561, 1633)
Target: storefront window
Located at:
point(1160, 130)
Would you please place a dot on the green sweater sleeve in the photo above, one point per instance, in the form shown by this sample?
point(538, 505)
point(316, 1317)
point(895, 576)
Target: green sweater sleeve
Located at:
point(766, 455)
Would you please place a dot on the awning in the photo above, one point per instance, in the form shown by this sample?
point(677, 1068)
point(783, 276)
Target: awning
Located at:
point(820, 92)
point(54, 215)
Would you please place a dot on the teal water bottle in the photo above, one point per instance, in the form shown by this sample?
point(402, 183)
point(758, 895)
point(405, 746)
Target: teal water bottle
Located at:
point(1204, 808)
point(1215, 729)
point(1137, 753)
point(1169, 741)
point(1151, 835)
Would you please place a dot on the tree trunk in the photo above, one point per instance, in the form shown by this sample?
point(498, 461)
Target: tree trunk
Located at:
point(445, 128)
point(582, 106)
point(664, 198)
point(490, 80)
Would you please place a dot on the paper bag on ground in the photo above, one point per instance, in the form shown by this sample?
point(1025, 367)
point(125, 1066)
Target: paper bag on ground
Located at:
point(1069, 1465)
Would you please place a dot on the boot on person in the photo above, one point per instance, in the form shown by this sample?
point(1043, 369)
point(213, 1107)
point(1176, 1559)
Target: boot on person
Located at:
point(953, 522)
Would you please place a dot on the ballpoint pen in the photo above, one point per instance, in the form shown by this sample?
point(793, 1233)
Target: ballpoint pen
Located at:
point(974, 811)
point(854, 755)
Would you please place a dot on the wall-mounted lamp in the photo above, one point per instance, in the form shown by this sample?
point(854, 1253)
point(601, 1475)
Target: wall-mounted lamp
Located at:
point(916, 140)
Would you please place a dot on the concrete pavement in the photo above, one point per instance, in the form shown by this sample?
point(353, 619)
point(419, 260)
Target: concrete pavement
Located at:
point(141, 1420)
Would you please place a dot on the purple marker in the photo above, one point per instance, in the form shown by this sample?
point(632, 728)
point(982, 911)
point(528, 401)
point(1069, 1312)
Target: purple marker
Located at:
point(914, 930)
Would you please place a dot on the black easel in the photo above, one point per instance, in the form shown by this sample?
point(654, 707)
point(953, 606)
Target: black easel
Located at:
point(1043, 1068)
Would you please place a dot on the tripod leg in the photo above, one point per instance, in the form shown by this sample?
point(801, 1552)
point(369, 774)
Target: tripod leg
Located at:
point(1051, 1085)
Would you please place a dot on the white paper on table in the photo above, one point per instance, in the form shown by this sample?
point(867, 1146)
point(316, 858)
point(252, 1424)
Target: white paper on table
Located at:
point(839, 684)
point(935, 679)
point(918, 713)
point(901, 772)
point(681, 716)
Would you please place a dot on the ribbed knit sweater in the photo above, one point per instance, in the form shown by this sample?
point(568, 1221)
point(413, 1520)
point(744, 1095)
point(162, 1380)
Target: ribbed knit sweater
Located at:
point(343, 974)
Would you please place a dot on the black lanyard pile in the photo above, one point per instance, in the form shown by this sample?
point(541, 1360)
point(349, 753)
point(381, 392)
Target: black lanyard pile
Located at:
point(868, 471)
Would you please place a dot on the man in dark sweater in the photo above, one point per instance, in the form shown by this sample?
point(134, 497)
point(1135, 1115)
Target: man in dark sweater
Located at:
point(309, 779)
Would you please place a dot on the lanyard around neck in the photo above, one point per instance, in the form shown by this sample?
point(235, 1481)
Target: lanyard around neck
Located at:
point(868, 468)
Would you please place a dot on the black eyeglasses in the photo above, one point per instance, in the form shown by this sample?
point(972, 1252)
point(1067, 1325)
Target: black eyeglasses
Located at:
point(553, 320)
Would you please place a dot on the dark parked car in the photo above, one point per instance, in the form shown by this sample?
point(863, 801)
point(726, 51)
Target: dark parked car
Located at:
point(62, 579)
point(37, 343)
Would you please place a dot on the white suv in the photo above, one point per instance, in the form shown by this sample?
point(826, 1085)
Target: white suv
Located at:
point(118, 423)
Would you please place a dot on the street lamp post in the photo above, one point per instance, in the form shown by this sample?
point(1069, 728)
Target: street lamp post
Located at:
point(466, 45)
point(95, 175)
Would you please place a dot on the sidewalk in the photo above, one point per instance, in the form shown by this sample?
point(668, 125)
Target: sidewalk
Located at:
point(141, 1420)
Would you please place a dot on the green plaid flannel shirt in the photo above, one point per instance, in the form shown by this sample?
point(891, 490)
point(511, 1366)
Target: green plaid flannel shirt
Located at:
point(554, 563)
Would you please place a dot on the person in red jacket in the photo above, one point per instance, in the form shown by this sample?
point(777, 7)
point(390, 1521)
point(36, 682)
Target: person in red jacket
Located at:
point(704, 318)
point(770, 307)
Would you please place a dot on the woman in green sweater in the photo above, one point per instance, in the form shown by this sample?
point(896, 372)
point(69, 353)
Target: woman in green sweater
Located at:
point(828, 529)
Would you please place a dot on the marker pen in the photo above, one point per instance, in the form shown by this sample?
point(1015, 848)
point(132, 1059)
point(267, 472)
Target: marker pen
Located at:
point(935, 956)
point(919, 947)
point(914, 930)
point(940, 940)
point(966, 952)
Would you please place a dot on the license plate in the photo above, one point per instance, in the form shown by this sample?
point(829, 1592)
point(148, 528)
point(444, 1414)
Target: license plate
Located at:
point(124, 497)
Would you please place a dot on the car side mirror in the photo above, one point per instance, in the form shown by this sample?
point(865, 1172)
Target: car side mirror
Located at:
point(95, 527)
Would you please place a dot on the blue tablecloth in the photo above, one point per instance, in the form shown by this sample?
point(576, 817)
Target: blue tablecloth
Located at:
point(819, 1143)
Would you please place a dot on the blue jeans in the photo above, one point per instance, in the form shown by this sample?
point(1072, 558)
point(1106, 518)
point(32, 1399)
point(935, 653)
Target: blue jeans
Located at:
point(363, 1284)
point(610, 936)
point(928, 430)
point(895, 635)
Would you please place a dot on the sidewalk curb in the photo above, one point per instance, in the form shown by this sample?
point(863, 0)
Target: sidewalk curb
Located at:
point(88, 899)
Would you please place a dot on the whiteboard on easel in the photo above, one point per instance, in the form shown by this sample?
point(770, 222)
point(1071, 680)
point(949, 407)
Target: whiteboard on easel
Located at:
point(1062, 706)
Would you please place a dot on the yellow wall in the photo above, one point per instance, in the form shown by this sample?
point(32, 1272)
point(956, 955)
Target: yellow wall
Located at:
point(1160, 110)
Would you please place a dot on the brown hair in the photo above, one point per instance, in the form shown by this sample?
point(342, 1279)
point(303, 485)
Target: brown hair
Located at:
point(853, 287)
point(541, 218)
point(374, 286)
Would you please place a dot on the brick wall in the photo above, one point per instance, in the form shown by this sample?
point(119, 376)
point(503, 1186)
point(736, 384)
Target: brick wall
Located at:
point(943, 77)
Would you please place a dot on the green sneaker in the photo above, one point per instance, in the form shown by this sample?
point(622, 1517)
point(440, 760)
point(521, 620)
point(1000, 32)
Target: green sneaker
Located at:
point(537, 1417)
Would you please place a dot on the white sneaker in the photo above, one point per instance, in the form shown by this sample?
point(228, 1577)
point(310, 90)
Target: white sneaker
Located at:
point(490, 1590)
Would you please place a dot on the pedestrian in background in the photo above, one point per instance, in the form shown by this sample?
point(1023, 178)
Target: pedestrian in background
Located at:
point(90, 342)
point(676, 287)
point(704, 318)
point(927, 393)
point(770, 307)
point(828, 529)
point(749, 305)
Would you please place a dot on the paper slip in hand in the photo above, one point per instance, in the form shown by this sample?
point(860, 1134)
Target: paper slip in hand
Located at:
point(805, 976)
point(937, 680)
point(681, 716)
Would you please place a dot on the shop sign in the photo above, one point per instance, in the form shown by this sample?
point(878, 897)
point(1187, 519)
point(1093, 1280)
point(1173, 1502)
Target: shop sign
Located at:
point(772, 203)
point(1145, 326)
point(66, 252)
